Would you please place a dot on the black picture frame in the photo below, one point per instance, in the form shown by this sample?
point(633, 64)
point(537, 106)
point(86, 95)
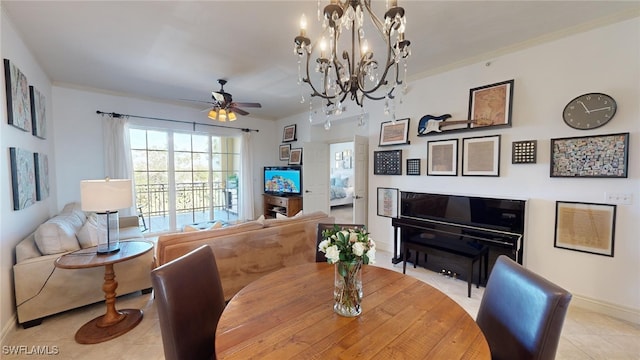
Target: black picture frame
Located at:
point(413, 166)
point(387, 202)
point(289, 133)
point(442, 157)
point(524, 152)
point(38, 113)
point(394, 132)
point(491, 105)
point(481, 156)
point(585, 227)
point(283, 151)
point(596, 156)
point(387, 162)
point(295, 156)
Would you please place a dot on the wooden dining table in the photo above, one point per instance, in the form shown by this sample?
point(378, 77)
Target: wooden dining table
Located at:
point(288, 314)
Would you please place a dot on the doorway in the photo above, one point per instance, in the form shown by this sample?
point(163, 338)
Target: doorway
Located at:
point(341, 182)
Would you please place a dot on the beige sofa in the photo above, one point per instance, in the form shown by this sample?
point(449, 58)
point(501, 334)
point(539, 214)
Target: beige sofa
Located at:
point(41, 289)
point(247, 251)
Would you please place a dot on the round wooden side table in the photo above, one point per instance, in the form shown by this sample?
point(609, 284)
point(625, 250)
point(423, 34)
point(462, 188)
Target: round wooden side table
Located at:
point(114, 322)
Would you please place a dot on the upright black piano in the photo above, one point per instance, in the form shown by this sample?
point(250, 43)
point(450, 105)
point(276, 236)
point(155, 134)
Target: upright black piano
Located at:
point(497, 223)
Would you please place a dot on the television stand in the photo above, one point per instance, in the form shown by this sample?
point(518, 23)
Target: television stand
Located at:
point(285, 205)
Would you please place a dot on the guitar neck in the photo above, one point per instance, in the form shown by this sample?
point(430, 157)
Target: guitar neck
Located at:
point(455, 122)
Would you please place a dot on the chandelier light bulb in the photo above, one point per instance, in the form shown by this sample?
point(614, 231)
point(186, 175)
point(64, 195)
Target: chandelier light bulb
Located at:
point(365, 47)
point(303, 24)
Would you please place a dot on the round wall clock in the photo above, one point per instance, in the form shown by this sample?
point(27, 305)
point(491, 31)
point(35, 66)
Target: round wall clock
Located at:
point(589, 111)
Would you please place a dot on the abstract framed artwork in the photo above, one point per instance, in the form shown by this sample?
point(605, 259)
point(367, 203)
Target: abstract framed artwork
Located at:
point(22, 178)
point(388, 202)
point(481, 156)
point(585, 227)
point(490, 105)
point(598, 156)
point(387, 162)
point(442, 157)
point(289, 133)
point(295, 156)
point(41, 166)
point(394, 132)
point(38, 113)
point(284, 151)
point(17, 91)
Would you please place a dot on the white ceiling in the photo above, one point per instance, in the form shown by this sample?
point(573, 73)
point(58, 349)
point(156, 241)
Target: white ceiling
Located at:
point(171, 50)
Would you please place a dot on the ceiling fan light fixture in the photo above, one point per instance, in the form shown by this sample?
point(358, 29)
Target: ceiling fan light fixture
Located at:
point(232, 116)
point(213, 114)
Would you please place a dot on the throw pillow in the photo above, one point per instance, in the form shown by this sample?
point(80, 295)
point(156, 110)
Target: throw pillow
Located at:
point(260, 220)
point(188, 228)
point(88, 234)
point(57, 235)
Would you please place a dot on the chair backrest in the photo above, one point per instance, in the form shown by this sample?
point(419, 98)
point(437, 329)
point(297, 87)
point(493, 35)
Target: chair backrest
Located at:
point(321, 227)
point(521, 313)
point(190, 301)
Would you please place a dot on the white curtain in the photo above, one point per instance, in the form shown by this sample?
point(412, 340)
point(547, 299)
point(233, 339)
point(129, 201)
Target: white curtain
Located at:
point(117, 154)
point(246, 178)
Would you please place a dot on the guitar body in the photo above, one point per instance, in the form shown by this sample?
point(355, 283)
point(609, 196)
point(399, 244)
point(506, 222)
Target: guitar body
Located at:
point(430, 123)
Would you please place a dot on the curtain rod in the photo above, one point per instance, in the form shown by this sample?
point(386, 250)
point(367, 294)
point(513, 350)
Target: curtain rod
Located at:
point(117, 116)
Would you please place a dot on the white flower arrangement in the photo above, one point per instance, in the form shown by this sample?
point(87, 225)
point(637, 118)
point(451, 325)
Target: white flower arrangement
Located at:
point(347, 245)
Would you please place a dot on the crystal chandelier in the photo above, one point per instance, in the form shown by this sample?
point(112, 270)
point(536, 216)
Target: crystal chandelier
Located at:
point(354, 71)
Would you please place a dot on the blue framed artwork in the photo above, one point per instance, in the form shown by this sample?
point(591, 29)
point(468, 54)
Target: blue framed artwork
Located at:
point(23, 178)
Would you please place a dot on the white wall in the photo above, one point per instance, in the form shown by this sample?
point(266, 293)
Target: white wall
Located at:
point(79, 134)
point(15, 225)
point(546, 77)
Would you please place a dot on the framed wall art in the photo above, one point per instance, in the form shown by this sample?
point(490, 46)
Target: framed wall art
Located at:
point(490, 105)
point(284, 151)
point(388, 202)
point(289, 133)
point(38, 113)
point(585, 227)
point(413, 166)
point(41, 166)
point(295, 156)
point(442, 157)
point(524, 152)
point(481, 156)
point(17, 91)
point(394, 132)
point(22, 178)
point(387, 162)
point(598, 156)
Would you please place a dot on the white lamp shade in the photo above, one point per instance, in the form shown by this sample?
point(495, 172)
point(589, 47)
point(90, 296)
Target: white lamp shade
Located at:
point(106, 195)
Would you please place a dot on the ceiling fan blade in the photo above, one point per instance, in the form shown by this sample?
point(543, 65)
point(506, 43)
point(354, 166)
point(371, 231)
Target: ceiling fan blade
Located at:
point(238, 110)
point(247, 104)
point(208, 109)
point(198, 101)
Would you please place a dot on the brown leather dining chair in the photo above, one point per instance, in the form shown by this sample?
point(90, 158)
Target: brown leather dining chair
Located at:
point(190, 301)
point(321, 227)
point(521, 313)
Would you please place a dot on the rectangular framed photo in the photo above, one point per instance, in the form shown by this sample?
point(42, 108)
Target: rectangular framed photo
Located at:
point(295, 156)
point(442, 157)
point(38, 118)
point(387, 162)
point(388, 202)
point(394, 133)
point(23, 178)
point(490, 105)
point(585, 227)
point(284, 151)
point(17, 92)
point(481, 156)
point(42, 176)
point(289, 133)
point(598, 156)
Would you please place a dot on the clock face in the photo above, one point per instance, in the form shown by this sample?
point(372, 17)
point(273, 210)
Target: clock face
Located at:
point(589, 111)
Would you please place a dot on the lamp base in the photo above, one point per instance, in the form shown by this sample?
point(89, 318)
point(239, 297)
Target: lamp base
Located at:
point(107, 251)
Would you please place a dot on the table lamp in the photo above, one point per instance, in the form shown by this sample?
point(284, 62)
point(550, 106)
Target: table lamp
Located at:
point(106, 197)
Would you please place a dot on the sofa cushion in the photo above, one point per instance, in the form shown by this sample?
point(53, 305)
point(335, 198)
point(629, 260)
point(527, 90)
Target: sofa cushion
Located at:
point(58, 235)
point(88, 233)
point(78, 216)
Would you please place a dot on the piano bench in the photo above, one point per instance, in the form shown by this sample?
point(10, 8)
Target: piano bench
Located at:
point(450, 249)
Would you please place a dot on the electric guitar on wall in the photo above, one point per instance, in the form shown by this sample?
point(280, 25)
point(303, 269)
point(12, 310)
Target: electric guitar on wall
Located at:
point(430, 123)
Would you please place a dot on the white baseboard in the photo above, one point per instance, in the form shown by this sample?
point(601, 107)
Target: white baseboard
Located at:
point(10, 325)
point(616, 311)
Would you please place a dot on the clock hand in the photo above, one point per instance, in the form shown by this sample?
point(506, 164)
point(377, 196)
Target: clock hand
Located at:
point(585, 108)
point(604, 108)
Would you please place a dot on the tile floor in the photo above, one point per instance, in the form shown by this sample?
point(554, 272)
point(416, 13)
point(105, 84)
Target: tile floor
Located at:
point(586, 335)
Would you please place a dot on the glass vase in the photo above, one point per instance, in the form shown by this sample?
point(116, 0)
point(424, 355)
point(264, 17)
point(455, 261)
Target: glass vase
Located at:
point(347, 293)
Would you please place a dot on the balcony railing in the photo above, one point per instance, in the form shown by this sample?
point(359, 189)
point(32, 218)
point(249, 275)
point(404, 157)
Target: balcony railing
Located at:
point(195, 202)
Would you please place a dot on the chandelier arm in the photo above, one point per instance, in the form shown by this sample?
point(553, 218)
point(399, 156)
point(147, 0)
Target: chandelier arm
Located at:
point(374, 19)
point(308, 78)
point(387, 66)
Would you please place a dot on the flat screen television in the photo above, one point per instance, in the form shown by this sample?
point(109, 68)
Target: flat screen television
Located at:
point(283, 180)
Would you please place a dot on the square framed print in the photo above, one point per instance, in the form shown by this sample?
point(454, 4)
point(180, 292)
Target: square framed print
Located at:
point(23, 178)
point(490, 105)
point(289, 133)
point(442, 157)
point(38, 113)
point(481, 156)
point(585, 227)
point(413, 166)
point(17, 92)
point(387, 162)
point(598, 156)
point(394, 132)
point(388, 202)
point(524, 152)
point(295, 156)
point(284, 151)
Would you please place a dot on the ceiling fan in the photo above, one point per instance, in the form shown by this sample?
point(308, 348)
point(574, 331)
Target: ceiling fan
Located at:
point(224, 108)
